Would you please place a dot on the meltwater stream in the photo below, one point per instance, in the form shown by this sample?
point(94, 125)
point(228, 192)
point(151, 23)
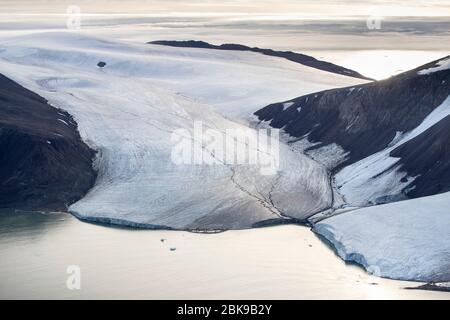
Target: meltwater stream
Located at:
point(285, 262)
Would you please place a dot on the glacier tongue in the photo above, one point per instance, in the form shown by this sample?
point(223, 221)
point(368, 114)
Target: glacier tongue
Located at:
point(408, 240)
point(129, 118)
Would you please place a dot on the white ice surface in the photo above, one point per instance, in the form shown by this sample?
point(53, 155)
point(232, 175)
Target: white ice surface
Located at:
point(235, 83)
point(362, 182)
point(129, 109)
point(407, 240)
point(330, 155)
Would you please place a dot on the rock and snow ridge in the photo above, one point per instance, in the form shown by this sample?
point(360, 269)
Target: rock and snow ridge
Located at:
point(393, 141)
point(440, 66)
point(372, 124)
point(128, 110)
point(416, 165)
point(289, 55)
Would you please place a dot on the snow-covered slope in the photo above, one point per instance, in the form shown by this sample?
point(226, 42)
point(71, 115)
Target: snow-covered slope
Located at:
point(235, 83)
point(380, 175)
point(407, 240)
point(129, 110)
point(383, 142)
point(387, 138)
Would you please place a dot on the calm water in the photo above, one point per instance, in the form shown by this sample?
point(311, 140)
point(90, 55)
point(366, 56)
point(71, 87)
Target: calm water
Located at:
point(286, 262)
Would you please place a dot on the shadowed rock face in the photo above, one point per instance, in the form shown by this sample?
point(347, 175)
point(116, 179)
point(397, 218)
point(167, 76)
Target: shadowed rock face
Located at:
point(289, 55)
point(44, 165)
point(362, 119)
point(365, 119)
point(427, 156)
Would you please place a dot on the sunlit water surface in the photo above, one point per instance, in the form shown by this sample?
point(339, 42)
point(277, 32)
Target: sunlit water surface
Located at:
point(286, 262)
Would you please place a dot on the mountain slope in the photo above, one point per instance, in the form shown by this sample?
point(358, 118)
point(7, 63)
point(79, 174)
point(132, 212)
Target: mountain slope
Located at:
point(425, 157)
point(44, 165)
point(289, 55)
point(366, 122)
point(383, 142)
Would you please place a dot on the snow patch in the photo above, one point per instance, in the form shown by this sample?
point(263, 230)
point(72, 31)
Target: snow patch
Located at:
point(440, 66)
point(287, 105)
point(397, 138)
point(63, 121)
point(330, 155)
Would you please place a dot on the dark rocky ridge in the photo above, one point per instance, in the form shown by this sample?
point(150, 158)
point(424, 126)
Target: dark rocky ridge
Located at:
point(289, 55)
point(44, 165)
point(428, 157)
point(364, 120)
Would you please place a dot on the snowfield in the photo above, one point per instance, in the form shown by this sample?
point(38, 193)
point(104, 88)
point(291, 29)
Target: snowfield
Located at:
point(407, 240)
point(234, 83)
point(129, 110)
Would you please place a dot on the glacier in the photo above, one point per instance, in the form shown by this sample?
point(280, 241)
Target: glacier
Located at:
point(128, 110)
point(406, 240)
